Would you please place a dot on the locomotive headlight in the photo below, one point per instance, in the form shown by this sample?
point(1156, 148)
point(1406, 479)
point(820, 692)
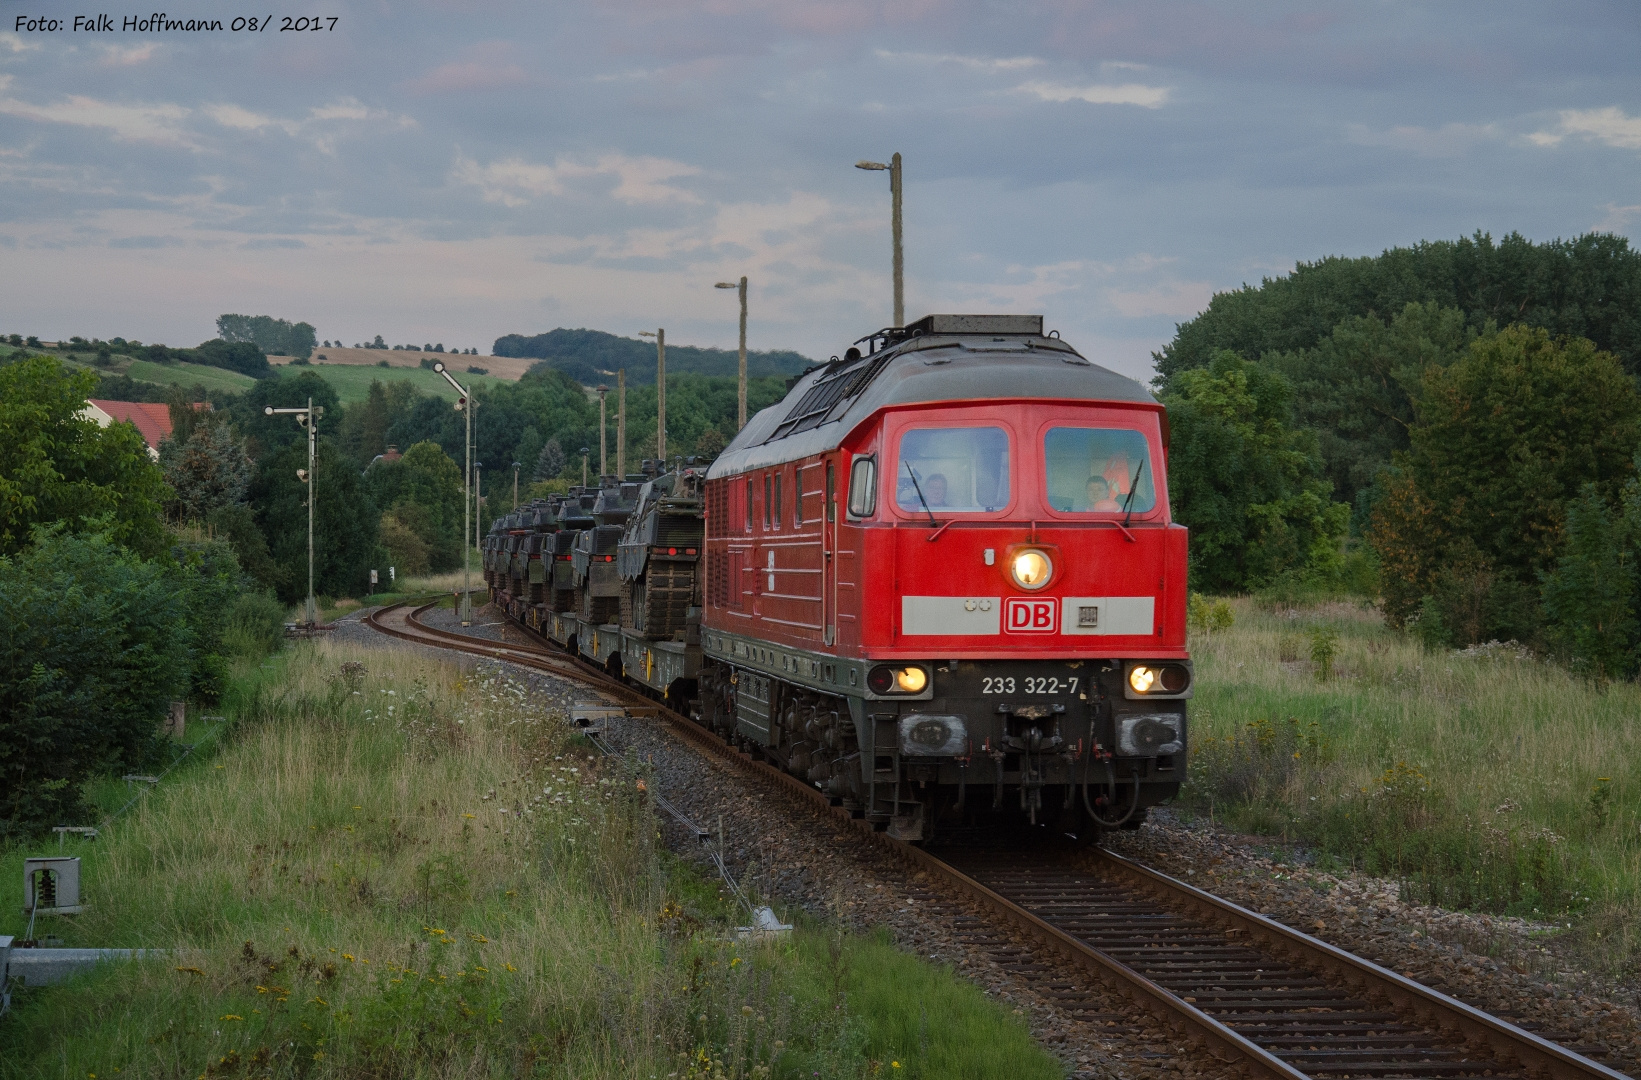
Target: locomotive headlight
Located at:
point(1031, 569)
point(1159, 680)
point(884, 679)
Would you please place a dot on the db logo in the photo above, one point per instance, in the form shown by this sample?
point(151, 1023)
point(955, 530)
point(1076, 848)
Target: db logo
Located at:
point(1025, 615)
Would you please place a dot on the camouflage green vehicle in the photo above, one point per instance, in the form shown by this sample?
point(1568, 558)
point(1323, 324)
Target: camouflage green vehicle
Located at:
point(659, 556)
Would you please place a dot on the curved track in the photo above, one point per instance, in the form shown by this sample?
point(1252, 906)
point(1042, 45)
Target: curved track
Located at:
point(1247, 988)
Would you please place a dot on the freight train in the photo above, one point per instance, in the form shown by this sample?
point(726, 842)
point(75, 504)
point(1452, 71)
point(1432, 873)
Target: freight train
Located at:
point(938, 581)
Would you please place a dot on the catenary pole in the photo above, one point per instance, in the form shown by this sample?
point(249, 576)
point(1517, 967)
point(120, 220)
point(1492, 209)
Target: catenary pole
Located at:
point(621, 422)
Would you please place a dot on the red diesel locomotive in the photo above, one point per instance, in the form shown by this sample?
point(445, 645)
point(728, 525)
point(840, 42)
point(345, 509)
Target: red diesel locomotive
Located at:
point(940, 582)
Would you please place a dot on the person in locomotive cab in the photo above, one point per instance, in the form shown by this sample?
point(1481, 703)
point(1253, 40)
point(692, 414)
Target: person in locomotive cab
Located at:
point(1119, 476)
point(934, 489)
point(1099, 496)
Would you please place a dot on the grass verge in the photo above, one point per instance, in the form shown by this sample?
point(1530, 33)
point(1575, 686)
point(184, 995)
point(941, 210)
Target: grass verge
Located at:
point(389, 868)
point(1484, 779)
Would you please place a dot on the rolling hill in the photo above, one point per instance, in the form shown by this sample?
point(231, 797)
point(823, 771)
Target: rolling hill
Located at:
point(585, 354)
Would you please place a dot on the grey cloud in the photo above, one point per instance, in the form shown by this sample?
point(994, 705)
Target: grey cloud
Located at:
point(145, 242)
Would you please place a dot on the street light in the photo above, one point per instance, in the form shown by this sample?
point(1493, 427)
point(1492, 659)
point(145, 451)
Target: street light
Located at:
point(463, 406)
point(584, 453)
point(740, 386)
point(894, 218)
point(603, 461)
point(307, 418)
point(660, 337)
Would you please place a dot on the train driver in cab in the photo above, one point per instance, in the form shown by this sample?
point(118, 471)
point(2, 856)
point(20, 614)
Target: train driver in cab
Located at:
point(1099, 498)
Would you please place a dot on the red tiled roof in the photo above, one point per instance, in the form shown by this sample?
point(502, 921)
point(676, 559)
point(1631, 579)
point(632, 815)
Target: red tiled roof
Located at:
point(152, 419)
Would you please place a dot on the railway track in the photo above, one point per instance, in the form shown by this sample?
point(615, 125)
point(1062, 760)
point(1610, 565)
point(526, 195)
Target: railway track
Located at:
point(1250, 990)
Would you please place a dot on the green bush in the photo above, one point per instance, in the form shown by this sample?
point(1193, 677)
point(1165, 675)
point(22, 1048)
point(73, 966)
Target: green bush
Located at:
point(255, 626)
point(97, 642)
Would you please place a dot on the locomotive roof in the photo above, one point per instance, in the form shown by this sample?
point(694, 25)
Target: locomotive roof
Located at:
point(937, 358)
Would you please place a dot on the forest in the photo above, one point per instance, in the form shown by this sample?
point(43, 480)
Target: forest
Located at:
point(1452, 427)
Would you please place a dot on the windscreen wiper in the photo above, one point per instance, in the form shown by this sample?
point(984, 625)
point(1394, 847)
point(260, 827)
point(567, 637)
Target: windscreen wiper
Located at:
point(1133, 487)
point(919, 489)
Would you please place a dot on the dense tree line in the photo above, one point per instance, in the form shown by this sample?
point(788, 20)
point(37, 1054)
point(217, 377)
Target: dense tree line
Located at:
point(589, 356)
point(1463, 413)
point(277, 336)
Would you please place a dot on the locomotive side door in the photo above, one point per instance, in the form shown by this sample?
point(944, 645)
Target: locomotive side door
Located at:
point(829, 548)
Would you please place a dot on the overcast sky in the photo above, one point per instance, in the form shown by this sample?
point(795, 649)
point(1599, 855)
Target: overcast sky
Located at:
point(452, 172)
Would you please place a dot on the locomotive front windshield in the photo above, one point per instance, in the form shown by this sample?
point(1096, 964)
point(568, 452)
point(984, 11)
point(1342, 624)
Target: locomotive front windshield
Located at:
point(953, 469)
point(1094, 471)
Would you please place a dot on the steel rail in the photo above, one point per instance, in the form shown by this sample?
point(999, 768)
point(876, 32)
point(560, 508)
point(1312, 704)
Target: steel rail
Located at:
point(1511, 1045)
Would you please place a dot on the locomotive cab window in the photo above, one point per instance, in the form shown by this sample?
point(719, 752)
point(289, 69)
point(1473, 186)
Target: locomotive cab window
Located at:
point(1098, 471)
point(953, 470)
point(863, 487)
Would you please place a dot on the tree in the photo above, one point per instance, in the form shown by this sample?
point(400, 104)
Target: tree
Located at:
point(1504, 439)
point(550, 462)
point(1357, 389)
point(245, 357)
point(365, 424)
point(345, 521)
point(1589, 597)
point(590, 356)
point(236, 523)
point(528, 450)
point(1244, 480)
point(406, 550)
point(57, 466)
point(266, 434)
point(423, 491)
point(96, 643)
point(269, 334)
point(207, 471)
point(1588, 287)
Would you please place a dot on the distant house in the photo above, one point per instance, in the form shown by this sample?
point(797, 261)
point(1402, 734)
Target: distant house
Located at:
point(151, 419)
point(390, 454)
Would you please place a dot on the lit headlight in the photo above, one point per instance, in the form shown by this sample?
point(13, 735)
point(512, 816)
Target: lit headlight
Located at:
point(1031, 569)
point(884, 679)
point(1159, 680)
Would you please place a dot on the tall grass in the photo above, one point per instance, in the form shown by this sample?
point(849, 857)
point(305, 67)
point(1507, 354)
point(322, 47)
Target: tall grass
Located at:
point(1484, 779)
point(396, 869)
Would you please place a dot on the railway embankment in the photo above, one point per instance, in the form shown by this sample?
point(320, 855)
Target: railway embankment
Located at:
point(398, 863)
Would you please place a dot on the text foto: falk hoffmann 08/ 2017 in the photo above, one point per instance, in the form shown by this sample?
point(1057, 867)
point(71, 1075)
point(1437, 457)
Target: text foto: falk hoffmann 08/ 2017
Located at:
point(159, 22)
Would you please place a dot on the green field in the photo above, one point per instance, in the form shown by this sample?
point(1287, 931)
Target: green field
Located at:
point(189, 375)
point(352, 381)
point(1484, 779)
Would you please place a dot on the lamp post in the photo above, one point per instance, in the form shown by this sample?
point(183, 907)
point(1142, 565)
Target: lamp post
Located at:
point(660, 337)
point(740, 386)
point(894, 224)
point(621, 423)
point(307, 418)
point(603, 458)
point(517, 465)
point(478, 506)
point(463, 405)
point(584, 453)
